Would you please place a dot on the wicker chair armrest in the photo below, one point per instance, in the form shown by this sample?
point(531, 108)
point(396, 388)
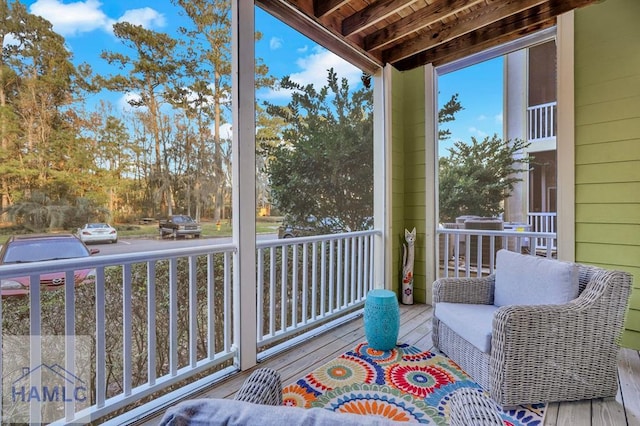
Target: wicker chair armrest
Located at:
point(469, 406)
point(529, 323)
point(263, 386)
point(464, 290)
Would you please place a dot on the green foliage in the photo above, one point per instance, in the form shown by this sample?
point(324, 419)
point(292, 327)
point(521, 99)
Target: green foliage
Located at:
point(40, 146)
point(39, 213)
point(475, 178)
point(323, 164)
point(447, 114)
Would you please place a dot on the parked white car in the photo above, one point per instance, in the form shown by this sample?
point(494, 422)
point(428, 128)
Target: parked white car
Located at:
point(98, 232)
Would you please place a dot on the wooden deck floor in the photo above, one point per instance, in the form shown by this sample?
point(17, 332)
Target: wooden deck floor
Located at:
point(415, 329)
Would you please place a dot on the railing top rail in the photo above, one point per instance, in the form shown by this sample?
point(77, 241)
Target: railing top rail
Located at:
point(497, 233)
point(539, 106)
point(61, 265)
point(315, 238)
point(542, 214)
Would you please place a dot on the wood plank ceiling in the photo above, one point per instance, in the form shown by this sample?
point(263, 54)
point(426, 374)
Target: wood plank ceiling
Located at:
point(411, 33)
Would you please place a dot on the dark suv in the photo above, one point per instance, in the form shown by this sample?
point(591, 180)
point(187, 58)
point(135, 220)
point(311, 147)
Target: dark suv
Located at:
point(179, 225)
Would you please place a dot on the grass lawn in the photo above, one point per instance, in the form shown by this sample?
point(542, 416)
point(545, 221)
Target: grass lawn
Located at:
point(264, 225)
point(209, 229)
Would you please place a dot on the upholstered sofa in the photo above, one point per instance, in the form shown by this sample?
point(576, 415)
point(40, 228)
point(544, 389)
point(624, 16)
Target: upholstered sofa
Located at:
point(538, 330)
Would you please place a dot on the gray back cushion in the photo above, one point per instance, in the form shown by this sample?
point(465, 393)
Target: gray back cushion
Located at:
point(531, 280)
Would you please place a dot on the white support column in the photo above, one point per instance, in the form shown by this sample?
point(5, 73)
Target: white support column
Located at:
point(431, 174)
point(244, 181)
point(566, 139)
point(381, 176)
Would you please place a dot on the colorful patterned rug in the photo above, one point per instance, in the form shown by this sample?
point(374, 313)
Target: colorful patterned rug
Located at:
point(402, 384)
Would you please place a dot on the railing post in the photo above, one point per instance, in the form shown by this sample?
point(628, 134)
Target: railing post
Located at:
point(244, 182)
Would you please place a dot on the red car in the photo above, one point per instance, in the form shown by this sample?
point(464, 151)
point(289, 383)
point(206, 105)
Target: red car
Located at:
point(46, 247)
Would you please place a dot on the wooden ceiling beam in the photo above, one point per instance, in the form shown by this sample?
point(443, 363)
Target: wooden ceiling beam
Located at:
point(508, 29)
point(441, 33)
point(472, 50)
point(452, 50)
point(372, 14)
point(421, 36)
point(420, 19)
point(325, 7)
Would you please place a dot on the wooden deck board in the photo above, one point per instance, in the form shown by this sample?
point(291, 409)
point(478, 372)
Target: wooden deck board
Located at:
point(629, 375)
point(415, 329)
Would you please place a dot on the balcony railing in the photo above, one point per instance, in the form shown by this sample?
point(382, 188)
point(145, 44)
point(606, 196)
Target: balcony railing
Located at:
point(542, 121)
point(306, 282)
point(543, 222)
point(163, 321)
point(471, 252)
point(155, 320)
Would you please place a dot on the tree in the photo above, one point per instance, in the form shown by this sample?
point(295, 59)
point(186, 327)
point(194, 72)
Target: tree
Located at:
point(41, 149)
point(323, 164)
point(476, 178)
point(208, 58)
point(153, 73)
point(446, 114)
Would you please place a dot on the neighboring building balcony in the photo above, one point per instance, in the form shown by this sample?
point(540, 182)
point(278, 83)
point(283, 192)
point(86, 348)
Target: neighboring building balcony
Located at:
point(541, 122)
point(543, 222)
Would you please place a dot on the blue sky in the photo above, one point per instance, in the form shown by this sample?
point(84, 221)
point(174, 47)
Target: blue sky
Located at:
point(480, 92)
point(86, 25)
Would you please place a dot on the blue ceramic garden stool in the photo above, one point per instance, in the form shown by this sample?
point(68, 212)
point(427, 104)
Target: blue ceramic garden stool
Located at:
point(381, 319)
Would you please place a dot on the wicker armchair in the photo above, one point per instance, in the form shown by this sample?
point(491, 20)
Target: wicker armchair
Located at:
point(542, 353)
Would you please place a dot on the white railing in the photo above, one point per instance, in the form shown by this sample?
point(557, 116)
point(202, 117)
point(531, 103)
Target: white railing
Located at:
point(155, 320)
point(161, 323)
point(471, 252)
point(542, 222)
point(303, 283)
point(542, 121)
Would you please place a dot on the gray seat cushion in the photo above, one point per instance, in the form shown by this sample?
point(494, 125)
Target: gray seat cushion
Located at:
point(471, 322)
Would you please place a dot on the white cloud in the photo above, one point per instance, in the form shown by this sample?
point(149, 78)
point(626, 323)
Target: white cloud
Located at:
point(9, 40)
point(477, 132)
point(498, 118)
point(145, 17)
point(482, 117)
point(302, 49)
point(123, 102)
point(313, 70)
point(70, 19)
point(226, 131)
point(275, 43)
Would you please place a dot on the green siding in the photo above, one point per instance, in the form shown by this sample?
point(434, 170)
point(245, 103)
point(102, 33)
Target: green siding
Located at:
point(408, 169)
point(397, 177)
point(607, 87)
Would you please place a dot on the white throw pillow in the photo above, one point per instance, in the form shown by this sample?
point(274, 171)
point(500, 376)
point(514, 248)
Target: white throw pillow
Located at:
point(531, 280)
